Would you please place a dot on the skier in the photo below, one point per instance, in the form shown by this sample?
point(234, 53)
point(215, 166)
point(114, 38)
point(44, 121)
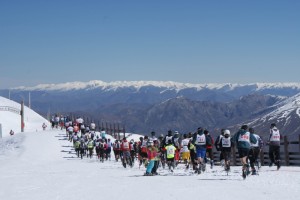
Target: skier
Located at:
point(274, 146)
point(11, 132)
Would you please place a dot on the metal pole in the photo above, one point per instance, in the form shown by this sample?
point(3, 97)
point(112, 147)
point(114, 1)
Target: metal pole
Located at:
point(299, 143)
point(0, 130)
point(124, 130)
point(286, 150)
point(22, 116)
point(29, 99)
point(119, 132)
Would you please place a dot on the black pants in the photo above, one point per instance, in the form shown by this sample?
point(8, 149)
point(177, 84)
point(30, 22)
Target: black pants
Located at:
point(253, 155)
point(226, 153)
point(274, 153)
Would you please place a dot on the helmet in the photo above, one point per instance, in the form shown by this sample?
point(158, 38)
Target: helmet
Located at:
point(227, 132)
point(161, 136)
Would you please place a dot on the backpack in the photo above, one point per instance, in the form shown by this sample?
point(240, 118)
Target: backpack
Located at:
point(261, 143)
point(218, 143)
point(209, 141)
point(101, 145)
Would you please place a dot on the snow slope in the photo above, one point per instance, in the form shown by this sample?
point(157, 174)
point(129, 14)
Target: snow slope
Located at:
point(42, 165)
point(12, 121)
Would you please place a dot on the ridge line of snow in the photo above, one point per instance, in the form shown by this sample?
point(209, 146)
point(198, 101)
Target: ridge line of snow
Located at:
point(94, 84)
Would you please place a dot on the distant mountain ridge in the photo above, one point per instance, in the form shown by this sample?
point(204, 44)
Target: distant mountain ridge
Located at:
point(156, 105)
point(171, 85)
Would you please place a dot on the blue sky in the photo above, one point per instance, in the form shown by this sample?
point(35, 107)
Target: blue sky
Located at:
point(235, 41)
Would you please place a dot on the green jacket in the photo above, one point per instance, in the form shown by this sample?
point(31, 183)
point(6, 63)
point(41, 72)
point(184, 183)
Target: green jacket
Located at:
point(243, 139)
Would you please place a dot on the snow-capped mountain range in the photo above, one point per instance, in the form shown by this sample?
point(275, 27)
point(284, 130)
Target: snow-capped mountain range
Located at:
point(159, 84)
point(155, 105)
point(285, 114)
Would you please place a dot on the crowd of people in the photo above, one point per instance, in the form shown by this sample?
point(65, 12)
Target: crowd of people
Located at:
point(194, 149)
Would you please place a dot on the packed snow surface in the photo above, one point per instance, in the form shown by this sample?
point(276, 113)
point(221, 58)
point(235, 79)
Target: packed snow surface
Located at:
point(12, 120)
point(43, 165)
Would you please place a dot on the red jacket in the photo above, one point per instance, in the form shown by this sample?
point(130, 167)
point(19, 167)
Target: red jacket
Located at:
point(125, 146)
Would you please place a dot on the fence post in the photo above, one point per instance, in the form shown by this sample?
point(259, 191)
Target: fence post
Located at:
point(286, 150)
point(124, 130)
point(262, 156)
point(299, 143)
point(111, 132)
point(233, 155)
point(106, 128)
point(22, 116)
point(119, 132)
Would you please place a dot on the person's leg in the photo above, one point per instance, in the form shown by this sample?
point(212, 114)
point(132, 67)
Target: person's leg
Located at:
point(150, 166)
